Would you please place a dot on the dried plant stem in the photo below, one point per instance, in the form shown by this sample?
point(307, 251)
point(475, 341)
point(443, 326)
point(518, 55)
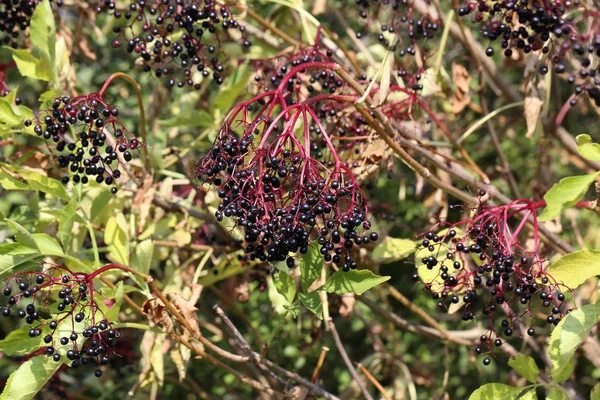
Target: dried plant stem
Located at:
point(320, 361)
point(340, 347)
point(374, 381)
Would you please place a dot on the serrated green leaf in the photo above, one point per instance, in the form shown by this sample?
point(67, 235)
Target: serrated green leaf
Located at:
point(44, 69)
point(311, 265)
point(43, 28)
point(393, 249)
point(556, 394)
point(19, 343)
point(587, 148)
point(143, 256)
point(353, 281)
point(119, 293)
point(565, 194)
point(47, 245)
point(595, 393)
point(285, 285)
point(312, 301)
point(99, 203)
point(525, 366)
point(191, 119)
point(115, 235)
point(23, 236)
point(576, 327)
point(496, 391)
point(7, 114)
point(529, 395)
point(29, 378)
point(16, 249)
point(25, 61)
point(44, 184)
point(66, 221)
point(567, 336)
point(575, 268)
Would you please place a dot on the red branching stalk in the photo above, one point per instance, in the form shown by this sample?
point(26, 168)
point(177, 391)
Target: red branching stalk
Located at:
point(482, 257)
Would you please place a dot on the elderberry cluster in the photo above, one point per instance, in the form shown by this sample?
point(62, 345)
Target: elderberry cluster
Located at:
point(179, 40)
point(554, 28)
point(400, 29)
point(87, 130)
point(65, 314)
point(15, 17)
point(478, 265)
point(281, 195)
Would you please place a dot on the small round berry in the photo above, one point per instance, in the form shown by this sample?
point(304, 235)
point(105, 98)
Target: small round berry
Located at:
point(98, 373)
point(374, 236)
point(7, 291)
point(489, 52)
point(56, 357)
point(486, 361)
point(531, 331)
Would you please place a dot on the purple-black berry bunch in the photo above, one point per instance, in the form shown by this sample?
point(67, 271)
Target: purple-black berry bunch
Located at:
point(558, 30)
point(63, 309)
point(480, 266)
point(180, 41)
point(15, 18)
point(92, 140)
point(278, 187)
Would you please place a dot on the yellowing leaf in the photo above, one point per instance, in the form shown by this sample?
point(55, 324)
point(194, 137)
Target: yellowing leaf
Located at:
point(565, 194)
point(575, 268)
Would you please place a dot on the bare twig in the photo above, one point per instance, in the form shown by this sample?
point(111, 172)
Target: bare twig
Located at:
point(340, 347)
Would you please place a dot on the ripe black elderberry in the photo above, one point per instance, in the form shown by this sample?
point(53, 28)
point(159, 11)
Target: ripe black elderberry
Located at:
point(73, 311)
point(101, 143)
point(490, 271)
point(178, 41)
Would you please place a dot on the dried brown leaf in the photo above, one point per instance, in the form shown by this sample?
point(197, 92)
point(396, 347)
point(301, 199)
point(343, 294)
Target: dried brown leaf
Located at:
point(157, 314)
point(347, 306)
point(180, 355)
point(533, 107)
point(188, 311)
point(462, 81)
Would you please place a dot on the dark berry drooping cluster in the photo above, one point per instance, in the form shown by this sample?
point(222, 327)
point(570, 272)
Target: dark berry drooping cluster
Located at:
point(403, 31)
point(556, 29)
point(15, 17)
point(180, 41)
point(480, 264)
point(278, 187)
point(62, 308)
point(4, 89)
point(89, 134)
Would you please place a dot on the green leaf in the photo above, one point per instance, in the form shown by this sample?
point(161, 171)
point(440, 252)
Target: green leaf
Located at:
point(23, 236)
point(393, 249)
point(587, 148)
point(575, 268)
point(142, 258)
point(7, 114)
point(47, 245)
point(529, 395)
point(525, 366)
point(565, 194)
point(115, 235)
point(576, 327)
point(496, 391)
point(119, 293)
point(44, 184)
point(18, 342)
point(29, 378)
point(44, 69)
point(16, 249)
point(66, 221)
point(25, 61)
point(42, 29)
point(311, 265)
point(285, 285)
point(568, 336)
point(556, 394)
point(99, 203)
point(227, 97)
point(595, 393)
point(312, 301)
point(353, 281)
point(191, 119)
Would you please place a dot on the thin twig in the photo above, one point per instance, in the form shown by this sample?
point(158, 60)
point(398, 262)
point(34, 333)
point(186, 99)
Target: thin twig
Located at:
point(374, 381)
point(340, 347)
